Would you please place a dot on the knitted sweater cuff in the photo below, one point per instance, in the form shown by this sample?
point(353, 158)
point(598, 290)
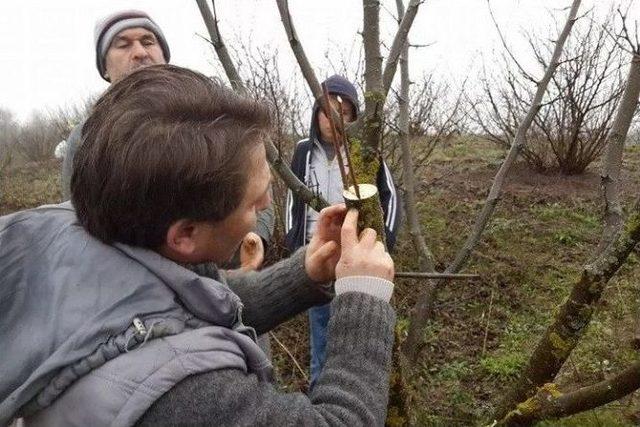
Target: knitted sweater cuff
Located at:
point(374, 286)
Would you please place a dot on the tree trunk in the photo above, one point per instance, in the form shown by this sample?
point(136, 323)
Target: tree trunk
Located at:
point(612, 161)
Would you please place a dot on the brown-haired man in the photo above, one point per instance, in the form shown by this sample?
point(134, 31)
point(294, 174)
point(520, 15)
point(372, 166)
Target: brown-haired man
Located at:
point(128, 40)
point(109, 328)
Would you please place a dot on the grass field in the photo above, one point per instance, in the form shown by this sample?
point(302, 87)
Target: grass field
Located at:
point(544, 229)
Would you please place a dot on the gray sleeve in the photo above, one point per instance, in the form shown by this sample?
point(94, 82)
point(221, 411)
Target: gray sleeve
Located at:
point(265, 223)
point(277, 293)
point(73, 142)
point(352, 389)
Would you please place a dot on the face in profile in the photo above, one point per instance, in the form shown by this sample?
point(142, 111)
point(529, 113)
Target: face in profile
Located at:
point(218, 241)
point(131, 49)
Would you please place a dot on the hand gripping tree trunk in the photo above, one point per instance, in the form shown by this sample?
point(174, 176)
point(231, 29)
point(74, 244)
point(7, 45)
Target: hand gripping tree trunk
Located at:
point(426, 297)
point(364, 135)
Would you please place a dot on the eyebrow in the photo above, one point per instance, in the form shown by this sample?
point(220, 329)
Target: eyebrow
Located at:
point(121, 38)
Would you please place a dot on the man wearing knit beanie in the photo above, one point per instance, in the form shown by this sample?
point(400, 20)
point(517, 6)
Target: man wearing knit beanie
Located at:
point(124, 42)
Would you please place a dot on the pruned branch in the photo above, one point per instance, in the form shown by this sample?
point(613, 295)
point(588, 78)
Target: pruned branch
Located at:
point(549, 402)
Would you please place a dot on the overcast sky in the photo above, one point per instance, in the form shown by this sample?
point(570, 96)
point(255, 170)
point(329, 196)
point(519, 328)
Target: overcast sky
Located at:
point(47, 56)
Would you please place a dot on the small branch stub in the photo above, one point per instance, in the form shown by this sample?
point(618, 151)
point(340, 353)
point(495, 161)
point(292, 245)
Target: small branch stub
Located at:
point(368, 206)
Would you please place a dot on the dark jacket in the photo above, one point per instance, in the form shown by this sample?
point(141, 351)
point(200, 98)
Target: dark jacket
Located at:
point(296, 212)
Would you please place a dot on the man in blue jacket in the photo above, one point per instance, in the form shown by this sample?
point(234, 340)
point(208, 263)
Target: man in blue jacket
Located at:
point(314, 163)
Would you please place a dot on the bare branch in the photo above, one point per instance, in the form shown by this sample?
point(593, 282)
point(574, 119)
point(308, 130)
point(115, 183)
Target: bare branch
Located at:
point(398, 44)
point(273, 155)
point(517, 145)
point(291, 356)
point(439, 276)
point(549, 402)
point(211, 22)
point(298, 51)
point(314, 200)
point(506, 47)
point(424, 253)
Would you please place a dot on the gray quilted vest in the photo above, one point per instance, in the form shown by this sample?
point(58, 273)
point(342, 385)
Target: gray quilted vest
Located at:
point(93, 334)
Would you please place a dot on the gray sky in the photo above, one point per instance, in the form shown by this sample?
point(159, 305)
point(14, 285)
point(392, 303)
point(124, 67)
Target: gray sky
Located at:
point(47, 55)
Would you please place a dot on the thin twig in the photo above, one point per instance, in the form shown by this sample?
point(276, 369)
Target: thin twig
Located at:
point(347, 152)
point(286, 350)
point(441, 276)
point(486, 329)
point(326, 106)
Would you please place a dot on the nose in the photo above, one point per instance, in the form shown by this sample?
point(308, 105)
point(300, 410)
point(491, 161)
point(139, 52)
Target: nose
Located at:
point(138, 51)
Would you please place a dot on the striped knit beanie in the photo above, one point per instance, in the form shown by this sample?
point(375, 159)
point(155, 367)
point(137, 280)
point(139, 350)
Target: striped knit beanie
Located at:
point(108, 28)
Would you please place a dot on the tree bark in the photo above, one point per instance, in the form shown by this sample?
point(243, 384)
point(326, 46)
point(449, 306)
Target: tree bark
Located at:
point(574, 316)
point(612, 161)
point(549, 402)
point(373, 96)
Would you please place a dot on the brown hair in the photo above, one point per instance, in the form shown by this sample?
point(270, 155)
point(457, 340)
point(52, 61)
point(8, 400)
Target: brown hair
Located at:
point(163, 144)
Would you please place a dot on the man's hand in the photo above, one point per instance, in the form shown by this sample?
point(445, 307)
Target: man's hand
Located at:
point(323, 251)
point(251, 252)
point(365, 256)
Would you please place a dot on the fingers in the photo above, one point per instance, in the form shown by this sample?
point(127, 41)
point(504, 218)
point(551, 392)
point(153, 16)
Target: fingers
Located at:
point(368, 237)
point(349, 232)
point(326, 251)
point(333, 213)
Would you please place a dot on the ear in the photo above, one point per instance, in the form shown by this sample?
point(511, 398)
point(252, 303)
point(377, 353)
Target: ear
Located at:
point(180, 242)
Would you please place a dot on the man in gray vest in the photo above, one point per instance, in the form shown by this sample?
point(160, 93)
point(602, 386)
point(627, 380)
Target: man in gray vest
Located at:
point(126, 41)
point(103, 325)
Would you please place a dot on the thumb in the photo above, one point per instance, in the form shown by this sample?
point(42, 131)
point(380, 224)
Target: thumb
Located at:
point(326, 251)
